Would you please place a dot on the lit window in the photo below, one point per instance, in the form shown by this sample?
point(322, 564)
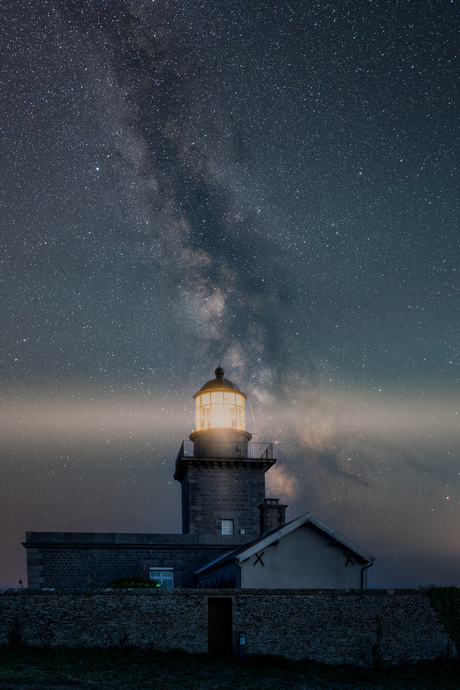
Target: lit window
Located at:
point(227, 526)
point(163, 576)
point(220, 409)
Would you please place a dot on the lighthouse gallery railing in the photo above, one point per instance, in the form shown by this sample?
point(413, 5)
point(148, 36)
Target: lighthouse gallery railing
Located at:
point(254, 450)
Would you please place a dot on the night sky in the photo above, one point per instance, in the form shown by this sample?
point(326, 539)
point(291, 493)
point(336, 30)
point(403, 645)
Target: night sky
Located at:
point(272, 186)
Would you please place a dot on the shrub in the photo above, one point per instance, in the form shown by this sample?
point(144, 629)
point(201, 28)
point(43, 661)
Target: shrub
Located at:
point(446, 601)
point(133, 582)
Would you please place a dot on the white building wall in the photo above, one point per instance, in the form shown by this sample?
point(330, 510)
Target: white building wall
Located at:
point(302, 559)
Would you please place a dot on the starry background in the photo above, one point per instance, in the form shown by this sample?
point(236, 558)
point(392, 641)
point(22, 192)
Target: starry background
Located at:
point(272, 186)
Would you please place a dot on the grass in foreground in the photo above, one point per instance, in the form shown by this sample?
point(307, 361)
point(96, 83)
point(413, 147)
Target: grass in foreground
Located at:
point(28, 668)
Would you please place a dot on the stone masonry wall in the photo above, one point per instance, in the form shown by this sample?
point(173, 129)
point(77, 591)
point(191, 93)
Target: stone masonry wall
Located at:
point(334, 626)
point(96, 566)
point(79, 559)
point(185, 504)
point(229, 491)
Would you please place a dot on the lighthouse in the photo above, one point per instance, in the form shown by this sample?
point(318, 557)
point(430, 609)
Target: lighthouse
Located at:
point(222, 472)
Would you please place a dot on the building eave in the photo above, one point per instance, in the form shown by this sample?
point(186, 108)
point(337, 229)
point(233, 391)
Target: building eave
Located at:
point(305, 519)
point(243, 553)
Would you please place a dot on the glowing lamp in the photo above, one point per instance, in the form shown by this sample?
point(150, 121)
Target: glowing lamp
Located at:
point(219, 408)
point(219, 412)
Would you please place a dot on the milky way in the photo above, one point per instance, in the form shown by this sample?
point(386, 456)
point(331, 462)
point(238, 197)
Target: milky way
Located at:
point(272, 187)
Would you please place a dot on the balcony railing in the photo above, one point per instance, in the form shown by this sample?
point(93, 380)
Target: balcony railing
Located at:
point(253, 450)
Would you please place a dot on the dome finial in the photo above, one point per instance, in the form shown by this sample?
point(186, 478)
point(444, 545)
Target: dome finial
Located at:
point(219, 372)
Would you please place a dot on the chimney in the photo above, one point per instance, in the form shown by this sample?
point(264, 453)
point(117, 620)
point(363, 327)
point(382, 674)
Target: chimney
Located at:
point(272, 514)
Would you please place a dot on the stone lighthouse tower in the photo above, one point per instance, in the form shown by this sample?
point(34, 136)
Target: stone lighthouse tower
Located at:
point(221, 471)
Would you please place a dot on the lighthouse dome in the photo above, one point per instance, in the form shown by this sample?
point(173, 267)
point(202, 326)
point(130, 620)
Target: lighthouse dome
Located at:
point(219, 382)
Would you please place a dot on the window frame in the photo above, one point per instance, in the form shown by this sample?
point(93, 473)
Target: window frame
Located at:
point(228, 524)
point(163, 580)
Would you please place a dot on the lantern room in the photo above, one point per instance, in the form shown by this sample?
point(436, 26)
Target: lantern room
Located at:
point(219, 404)
point(220, 411)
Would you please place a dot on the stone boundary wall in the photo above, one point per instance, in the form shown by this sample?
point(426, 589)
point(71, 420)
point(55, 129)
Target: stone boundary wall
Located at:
point(331, 626)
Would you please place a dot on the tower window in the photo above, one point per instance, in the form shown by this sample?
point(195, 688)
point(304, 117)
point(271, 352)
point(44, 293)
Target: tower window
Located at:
point(164, 577)
point(227, 526)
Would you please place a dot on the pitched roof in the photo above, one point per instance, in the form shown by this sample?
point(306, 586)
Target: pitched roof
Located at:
point(247, 550)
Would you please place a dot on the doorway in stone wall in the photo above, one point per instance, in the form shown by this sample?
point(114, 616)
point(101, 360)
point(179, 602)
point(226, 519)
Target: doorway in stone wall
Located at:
point(220, 632)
